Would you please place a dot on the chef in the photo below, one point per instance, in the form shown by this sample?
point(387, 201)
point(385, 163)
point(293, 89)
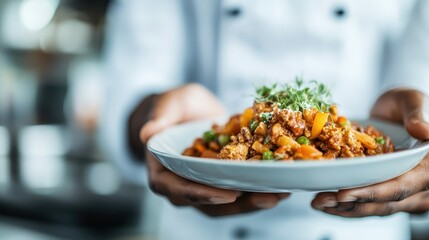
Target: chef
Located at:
point(172, 61)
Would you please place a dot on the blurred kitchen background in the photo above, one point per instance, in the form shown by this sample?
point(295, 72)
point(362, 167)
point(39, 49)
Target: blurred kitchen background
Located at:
point(55, 182)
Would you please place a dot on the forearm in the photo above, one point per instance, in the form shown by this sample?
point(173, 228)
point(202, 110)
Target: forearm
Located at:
point(137, 119)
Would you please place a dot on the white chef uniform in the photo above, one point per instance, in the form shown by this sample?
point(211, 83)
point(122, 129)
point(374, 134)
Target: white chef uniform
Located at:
point(358, 48)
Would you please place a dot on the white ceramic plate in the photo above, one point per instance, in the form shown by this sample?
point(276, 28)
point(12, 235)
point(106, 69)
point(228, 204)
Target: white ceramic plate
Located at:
point(168, 145)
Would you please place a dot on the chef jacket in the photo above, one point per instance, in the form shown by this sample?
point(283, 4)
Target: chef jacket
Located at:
point(359, 49)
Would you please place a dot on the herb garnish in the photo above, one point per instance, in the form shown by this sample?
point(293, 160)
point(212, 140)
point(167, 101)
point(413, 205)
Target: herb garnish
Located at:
point(297, 97)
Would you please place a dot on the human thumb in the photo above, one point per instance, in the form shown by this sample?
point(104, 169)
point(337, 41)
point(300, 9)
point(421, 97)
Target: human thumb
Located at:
point(415, 113)
point(166, 114)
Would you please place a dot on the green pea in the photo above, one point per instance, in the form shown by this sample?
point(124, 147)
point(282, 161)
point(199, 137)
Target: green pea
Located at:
point(209, 135)
point(223, 139)
point(253, 125)
point(267, 155)
point(380, 140)
point(303, 140)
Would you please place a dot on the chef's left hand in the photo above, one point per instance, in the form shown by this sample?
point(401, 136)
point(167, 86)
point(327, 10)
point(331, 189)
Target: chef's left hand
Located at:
point(406, 193)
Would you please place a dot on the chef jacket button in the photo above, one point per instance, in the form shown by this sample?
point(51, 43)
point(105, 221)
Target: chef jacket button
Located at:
point(340, 12)
point(241, 233)
point(233, 12)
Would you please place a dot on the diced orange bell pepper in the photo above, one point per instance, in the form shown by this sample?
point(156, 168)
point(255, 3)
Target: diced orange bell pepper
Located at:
point(287, 141)
point(246, 117)
point(318, 123)
point(366, 140)
point(308, 152)
point(233, 126)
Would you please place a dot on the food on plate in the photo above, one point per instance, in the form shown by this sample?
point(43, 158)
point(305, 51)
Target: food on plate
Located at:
point(291, 122)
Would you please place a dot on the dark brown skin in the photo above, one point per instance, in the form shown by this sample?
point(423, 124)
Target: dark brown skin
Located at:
point(180, 105)
point(406, 193)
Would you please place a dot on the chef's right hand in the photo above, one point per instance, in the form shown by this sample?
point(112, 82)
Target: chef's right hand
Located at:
point(182, 104)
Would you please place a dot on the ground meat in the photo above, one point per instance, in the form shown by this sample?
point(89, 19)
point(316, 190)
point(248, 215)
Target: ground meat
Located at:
point(331, 136)
point(331, 154)
point(292, 121)
point(234, 151)
point(352, 147)
point(309, 115)
point(335, 140)
point(233, 139)
point(245, 135)
point(262, 107)
point(388, 146)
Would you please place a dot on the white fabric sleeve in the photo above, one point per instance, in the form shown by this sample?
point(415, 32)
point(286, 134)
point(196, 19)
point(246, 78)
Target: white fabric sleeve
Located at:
point(408, 59)
point(144, 54)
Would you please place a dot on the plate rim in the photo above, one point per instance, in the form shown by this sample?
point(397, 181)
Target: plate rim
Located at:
point(424, 146)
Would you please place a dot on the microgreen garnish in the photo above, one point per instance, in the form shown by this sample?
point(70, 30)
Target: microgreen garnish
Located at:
point(265, 117)
point(297, 97)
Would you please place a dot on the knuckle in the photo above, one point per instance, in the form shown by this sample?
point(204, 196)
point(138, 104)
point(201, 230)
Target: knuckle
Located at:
point(155, 187)
point(401, 193)
point(191, 197)
point(370, 196)
point(387, 210)
point(351, 207)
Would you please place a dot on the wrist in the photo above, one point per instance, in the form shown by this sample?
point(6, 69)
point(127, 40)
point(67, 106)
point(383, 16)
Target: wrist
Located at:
point(139, 117)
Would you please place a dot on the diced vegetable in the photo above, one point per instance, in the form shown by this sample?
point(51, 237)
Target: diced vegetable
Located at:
point(223, 139)
point(209, 135)
point(246, 117)
point(209, 154)
point(199, 146)
point(261, 129)
point(267, 155)
point(287, 141)
point(259, 147)
point(276, 131)
point(366, 140)
point(380, 140)
point(232, 127)
point(319, 122)
point(343, 122)
point(308, 152)
point(303, 140)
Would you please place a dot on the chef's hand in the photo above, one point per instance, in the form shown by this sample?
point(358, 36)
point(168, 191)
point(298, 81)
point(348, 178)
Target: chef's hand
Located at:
point(183, 104)
point(406, 193)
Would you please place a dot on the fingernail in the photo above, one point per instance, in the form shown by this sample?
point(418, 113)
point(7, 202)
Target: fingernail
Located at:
point(349, 199)
point(329, 203)
point(218, 200)
point(266, 205)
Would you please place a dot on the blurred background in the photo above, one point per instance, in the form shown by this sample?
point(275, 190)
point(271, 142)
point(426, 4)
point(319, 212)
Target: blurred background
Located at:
point(55, 182)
